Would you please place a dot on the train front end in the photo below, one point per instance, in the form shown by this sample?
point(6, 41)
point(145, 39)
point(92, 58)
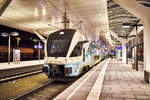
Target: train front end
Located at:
point(56, 49)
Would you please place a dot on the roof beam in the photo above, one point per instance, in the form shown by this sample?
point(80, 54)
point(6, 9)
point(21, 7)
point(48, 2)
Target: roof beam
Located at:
point(3, 5)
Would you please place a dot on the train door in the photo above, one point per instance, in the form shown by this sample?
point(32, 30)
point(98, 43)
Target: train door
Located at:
point(90, 53)
point(83, 54)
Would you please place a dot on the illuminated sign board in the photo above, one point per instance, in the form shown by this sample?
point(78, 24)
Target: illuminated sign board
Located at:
point(38, 46)
point(119, 48)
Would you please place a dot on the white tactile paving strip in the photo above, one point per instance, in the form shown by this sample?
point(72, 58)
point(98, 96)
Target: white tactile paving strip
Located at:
point(96, 89)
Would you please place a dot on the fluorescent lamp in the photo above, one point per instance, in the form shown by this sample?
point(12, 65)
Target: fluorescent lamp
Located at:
point(14, 34)
point(61, 33)
point(125, 26)
point(43, 11)
point(4, 34)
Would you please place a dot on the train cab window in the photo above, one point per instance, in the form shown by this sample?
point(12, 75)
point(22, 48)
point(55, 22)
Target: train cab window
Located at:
point(59, 45)
point(77, 51)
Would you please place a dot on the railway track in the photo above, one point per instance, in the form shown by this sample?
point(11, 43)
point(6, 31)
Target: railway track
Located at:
point(45, 92)
point(18, 76)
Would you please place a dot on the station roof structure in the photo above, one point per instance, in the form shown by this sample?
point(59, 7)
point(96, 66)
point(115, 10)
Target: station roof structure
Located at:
point(98, 16)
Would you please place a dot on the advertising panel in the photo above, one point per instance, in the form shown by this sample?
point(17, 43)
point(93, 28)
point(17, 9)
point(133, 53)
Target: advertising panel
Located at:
point(16, 56)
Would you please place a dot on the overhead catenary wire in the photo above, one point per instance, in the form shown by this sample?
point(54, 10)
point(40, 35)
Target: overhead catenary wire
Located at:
point(73, 12)
point(65, 6)
point(50, 2)
point(63, 13)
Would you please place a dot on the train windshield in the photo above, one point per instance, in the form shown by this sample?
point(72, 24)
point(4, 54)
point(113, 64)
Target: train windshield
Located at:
point(58, 44)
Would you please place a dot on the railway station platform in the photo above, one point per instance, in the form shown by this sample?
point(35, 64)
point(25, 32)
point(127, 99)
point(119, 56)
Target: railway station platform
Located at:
point(109, 80)
point(21, 64)
point(20, 68)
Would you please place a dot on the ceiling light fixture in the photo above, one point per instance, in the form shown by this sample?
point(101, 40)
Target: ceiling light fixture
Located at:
point(43, 11)
point(15, 34)
point(4, 34)
point(36, 12)
point(61, 33)
point(125, 26)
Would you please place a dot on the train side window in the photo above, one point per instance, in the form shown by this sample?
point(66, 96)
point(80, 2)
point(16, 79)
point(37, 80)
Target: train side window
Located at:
point(77, 51)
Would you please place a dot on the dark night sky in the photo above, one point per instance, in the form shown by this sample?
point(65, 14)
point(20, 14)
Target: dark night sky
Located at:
point(26, 37)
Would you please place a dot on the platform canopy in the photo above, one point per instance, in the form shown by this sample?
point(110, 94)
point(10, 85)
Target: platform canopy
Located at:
point(94, 17)
point(47, 15)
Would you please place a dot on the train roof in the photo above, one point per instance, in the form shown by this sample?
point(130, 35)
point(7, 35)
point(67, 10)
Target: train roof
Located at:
point(63, 30)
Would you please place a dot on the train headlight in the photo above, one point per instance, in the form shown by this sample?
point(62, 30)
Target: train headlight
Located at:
point(46, 69)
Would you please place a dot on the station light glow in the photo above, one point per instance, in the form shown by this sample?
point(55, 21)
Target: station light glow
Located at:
point(125, 26)
point(38, 46)
point(42, 4)
point(61, 33)
point(125, 45)
point(141, 28)
point(14, 33)
point(4, 34)
point(36, 12)
point(53, 46)
point(43, 11)
point(119, 48)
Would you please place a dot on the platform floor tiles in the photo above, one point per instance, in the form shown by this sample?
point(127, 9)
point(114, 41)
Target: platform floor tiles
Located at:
point(121, 82)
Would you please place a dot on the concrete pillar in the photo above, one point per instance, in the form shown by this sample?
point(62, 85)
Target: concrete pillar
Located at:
point(124, 53)
point(147, 50)
point(143, 13)
point(147, 45)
